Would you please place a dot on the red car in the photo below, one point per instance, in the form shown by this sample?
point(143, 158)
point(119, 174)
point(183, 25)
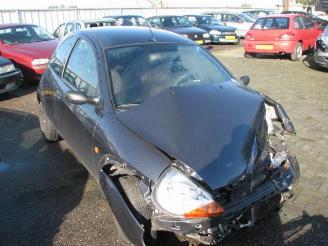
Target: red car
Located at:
point(28, 46)
point(281, 34)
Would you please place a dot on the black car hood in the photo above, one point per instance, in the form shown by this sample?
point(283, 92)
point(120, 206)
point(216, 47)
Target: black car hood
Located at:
point(219, 28)
point(4, 61)
point(210, 128)
point(186, 30)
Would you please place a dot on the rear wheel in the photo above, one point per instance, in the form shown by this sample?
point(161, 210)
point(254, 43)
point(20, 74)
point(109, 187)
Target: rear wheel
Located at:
point(297, 53)
point(249, 55)
point(47, 129)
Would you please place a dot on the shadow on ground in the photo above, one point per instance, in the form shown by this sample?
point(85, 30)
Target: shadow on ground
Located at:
point(24, 89)
point(39, 182)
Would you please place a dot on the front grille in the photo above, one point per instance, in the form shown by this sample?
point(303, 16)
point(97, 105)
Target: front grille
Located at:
point(228, 33)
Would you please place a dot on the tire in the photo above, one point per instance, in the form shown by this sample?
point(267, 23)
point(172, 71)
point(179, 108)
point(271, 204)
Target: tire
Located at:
point(249, 55)
point(47, 129)
point(297, 53)
point(136, 202)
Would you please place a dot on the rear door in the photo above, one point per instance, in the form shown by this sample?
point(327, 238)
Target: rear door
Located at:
point(76, 123)
point(311, 33)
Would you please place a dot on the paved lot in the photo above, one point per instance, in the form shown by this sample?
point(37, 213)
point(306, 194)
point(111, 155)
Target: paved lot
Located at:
point(48, 198)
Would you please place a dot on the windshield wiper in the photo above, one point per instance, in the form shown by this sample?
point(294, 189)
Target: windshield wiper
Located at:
point(127, 105)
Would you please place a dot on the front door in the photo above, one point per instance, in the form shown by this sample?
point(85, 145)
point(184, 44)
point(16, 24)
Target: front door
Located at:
point(77, 123)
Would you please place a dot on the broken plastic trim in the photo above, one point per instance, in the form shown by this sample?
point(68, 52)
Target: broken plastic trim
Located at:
point(282, 115)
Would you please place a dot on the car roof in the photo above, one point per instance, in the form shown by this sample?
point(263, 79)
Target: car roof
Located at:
point(122, 16)
point(165, 16)
point(124, 35)
point(280, 15)
point(198, 15)
point(3, 26)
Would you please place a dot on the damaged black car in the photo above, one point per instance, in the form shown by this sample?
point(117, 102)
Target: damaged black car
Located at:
point(176, 142)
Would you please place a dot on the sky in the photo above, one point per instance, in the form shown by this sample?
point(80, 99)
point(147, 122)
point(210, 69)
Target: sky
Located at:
point(41, 4)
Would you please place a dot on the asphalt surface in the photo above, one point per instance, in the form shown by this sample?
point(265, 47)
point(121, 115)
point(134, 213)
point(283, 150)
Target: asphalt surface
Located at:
point(48, 198)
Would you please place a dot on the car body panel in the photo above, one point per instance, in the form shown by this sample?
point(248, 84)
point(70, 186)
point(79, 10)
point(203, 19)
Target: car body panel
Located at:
point(194, 129)
point(321, 50)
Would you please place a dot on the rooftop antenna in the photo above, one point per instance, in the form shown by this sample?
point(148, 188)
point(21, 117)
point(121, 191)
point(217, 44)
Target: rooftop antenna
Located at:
point(152, 34)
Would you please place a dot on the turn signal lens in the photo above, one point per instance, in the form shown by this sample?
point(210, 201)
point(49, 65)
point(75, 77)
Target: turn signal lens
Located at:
point(209, 210)
point(287, 36)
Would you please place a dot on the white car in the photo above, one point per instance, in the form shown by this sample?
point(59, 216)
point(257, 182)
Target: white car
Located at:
point(242, 22)
point(72, 26)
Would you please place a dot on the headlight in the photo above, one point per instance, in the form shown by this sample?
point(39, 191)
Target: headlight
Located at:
point(179, 196)
point(215, 32)
point(38, 62)
point(7, 68)
point(206, 35)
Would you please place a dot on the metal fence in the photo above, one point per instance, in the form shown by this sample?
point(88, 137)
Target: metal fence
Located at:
point(51, 18)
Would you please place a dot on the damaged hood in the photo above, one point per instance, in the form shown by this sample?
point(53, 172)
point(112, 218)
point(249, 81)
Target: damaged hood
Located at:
point(209, 128)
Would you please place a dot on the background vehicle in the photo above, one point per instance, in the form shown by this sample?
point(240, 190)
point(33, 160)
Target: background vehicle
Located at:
point(182, 26)
point(10, 77)
point(28, 46)
point(220, 33)
point(281, 34)
point(256, 13)
point(321, 50)
point(174, 140)
point(242, 22)
point(72, 26)
point(317, 20)
point(129, 20)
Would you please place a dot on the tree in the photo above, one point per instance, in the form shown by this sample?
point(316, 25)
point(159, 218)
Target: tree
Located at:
point(308, 2)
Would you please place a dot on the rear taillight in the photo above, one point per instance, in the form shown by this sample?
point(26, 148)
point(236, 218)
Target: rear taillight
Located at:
point(287, 36)
point(249, 36)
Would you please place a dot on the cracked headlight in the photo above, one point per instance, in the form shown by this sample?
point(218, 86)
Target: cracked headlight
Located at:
point(215, 32)
point(7, 68)
point(179, 196)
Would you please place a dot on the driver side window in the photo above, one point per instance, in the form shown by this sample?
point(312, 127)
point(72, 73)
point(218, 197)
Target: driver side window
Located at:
point(81, 70)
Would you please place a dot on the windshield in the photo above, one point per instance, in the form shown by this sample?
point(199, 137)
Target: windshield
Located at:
point(271, 23)
point(173, 21)
point(247, 18)
point(24, 34)
point(132, 21)
point(141, 71)
point(208, 20)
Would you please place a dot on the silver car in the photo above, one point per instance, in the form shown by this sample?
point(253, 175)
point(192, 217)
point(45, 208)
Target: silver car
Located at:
point(321, 50)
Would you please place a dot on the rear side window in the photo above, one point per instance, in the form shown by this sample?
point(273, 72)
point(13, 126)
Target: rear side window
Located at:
point(298, 24)
point(80, 74)
point(276, 23)
point(59, 58)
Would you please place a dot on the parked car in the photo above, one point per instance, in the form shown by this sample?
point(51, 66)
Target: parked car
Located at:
point(129, 20)
point(176, 143)
point(72, 26)
point(220, 33)
point(256, 13)
point(10, 76)
point(242, 22)
point(317, 20)
point(182, 26)
point(28, 46)
point(281, 34)
point(321, 50)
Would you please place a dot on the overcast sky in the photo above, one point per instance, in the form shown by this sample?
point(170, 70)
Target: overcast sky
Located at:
point(41, 4)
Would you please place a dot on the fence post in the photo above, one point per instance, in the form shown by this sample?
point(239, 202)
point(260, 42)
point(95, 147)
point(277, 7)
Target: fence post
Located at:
point(20, 17)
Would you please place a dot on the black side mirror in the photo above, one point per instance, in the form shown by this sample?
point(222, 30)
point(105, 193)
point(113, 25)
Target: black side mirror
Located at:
point(77, 97)
point(245, 79)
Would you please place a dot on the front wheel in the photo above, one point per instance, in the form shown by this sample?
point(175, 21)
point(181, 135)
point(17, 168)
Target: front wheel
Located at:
point(297, 53)
point(48, 130)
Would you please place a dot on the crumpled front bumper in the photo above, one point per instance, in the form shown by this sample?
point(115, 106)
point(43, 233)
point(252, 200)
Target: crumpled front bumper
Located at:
point(244, 212)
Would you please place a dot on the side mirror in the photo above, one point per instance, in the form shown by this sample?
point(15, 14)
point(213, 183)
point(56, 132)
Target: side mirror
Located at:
point(245, 79)
point(77, 97)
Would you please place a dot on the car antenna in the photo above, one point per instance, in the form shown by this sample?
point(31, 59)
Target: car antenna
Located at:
point(152, 34)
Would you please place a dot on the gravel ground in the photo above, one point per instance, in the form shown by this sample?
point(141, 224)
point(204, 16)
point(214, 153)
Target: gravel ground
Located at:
point(48, 198)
